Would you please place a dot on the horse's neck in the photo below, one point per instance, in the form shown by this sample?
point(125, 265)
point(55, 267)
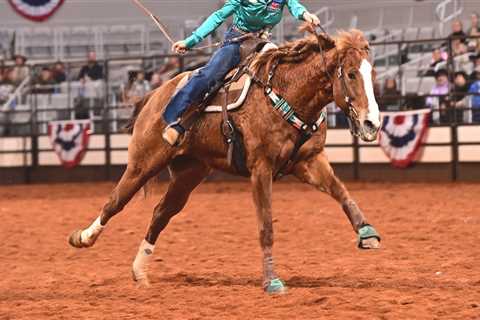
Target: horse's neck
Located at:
point(306, 86)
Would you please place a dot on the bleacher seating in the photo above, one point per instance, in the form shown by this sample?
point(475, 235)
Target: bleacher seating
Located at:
point(133, 38)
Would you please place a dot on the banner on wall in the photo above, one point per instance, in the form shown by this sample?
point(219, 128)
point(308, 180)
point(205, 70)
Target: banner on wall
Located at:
point(70, 140)
point(402, 134)
point(36, 10)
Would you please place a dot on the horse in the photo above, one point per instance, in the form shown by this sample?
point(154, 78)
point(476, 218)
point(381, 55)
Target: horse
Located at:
point(308, 73)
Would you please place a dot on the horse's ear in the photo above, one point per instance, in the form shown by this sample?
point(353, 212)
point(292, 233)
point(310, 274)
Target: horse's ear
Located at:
point(325, 42)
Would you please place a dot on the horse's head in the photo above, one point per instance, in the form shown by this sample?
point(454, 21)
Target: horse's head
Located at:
point(353, 84)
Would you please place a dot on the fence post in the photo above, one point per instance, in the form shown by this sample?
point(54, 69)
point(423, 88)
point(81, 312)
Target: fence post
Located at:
point(106, 124)
point(454, 133)
point(356, 159)
point(34, 134)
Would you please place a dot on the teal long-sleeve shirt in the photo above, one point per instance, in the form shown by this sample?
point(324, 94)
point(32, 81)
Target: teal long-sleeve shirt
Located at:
point(248, 15)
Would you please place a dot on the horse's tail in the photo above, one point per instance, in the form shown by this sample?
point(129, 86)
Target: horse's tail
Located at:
point(138, 106)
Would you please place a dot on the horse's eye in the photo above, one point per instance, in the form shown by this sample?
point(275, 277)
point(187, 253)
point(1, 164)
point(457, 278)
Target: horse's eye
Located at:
point(351, 76)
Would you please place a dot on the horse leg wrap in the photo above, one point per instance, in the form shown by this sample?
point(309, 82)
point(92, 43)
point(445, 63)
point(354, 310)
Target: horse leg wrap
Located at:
point(271, 283)
point(268, 272)
point(142, 261)
point(89, 235)
point(368, 237)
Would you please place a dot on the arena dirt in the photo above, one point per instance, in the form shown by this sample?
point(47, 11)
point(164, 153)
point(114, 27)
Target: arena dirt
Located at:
point(208, 266)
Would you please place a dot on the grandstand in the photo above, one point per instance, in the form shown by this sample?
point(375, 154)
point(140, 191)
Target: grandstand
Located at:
point(402, 34)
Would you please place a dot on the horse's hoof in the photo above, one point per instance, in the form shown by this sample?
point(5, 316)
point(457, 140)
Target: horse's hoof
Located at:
point(75, 239)
point(368, 237)
point(275, 287)
point(142, 282)
point(371, 243)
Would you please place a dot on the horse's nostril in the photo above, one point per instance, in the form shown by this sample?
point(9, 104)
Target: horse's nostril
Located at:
point(369, 126)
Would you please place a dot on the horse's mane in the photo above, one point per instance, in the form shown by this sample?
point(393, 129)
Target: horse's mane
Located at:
point(299, 50)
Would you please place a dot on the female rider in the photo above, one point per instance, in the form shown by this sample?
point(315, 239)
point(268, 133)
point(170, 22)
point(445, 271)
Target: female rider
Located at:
point(249, 16)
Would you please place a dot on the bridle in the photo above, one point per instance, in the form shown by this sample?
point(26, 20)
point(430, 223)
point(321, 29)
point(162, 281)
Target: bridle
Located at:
point(352, 115)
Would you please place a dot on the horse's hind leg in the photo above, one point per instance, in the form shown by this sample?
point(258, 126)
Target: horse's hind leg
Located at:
point(139, 170)
point(317, 171)
point(186, 174)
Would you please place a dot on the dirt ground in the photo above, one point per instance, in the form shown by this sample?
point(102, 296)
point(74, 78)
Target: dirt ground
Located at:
point(208, 263)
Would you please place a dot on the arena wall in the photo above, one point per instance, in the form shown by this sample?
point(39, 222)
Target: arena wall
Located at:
point(442, 158)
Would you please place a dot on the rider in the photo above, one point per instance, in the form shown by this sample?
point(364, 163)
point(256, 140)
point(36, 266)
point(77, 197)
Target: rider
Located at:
point(249, 16)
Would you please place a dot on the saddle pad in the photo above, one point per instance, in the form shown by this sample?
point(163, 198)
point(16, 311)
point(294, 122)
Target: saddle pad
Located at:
point(243, 84)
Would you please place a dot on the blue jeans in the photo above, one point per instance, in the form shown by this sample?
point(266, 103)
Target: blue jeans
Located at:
point(212, 74)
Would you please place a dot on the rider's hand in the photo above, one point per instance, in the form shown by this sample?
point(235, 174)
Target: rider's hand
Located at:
point(179, 47)
point(311, 18)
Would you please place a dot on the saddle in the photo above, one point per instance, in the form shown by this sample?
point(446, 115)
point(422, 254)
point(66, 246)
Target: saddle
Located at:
point(237, 81)
point(232, 91)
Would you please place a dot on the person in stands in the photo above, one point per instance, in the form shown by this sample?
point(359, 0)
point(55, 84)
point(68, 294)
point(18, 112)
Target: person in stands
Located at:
point(20, 71)
point(390, 97)
point(474, 44)
point(438, 99)
point(458, 38)
point(92, 70)
point(59, 74)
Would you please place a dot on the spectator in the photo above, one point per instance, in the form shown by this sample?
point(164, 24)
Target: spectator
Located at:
point(156, 81)
point(390, 98)
point(438, 56)
point(45, 82)
point(59, 74)
point(475, 90)
point(20, 71)
point(458, 38)
point(140, 86)
point(92, 70)
point(137, 87)
point(475, 75)
point(5, 87)
point(474, 44)
point(460, 89)
point(437, 102)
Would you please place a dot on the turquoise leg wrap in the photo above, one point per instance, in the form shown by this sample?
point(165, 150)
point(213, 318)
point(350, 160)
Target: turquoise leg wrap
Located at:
point(367, 232)
point(275, 286)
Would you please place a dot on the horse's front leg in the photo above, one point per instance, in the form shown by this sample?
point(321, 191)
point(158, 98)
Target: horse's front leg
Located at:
point(317, 171)
point(262, 196)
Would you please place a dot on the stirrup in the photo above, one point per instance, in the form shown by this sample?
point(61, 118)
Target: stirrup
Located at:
point(171, 135)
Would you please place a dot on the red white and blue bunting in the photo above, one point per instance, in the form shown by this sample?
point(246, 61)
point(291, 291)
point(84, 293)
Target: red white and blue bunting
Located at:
point(69, 140)
point(36, 10)
point(402, 135)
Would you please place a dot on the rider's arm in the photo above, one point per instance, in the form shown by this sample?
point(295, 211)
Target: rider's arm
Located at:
point(296, 9)
point(212, 23)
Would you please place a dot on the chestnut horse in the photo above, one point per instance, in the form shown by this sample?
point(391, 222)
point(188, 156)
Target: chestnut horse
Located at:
point(309, 74)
